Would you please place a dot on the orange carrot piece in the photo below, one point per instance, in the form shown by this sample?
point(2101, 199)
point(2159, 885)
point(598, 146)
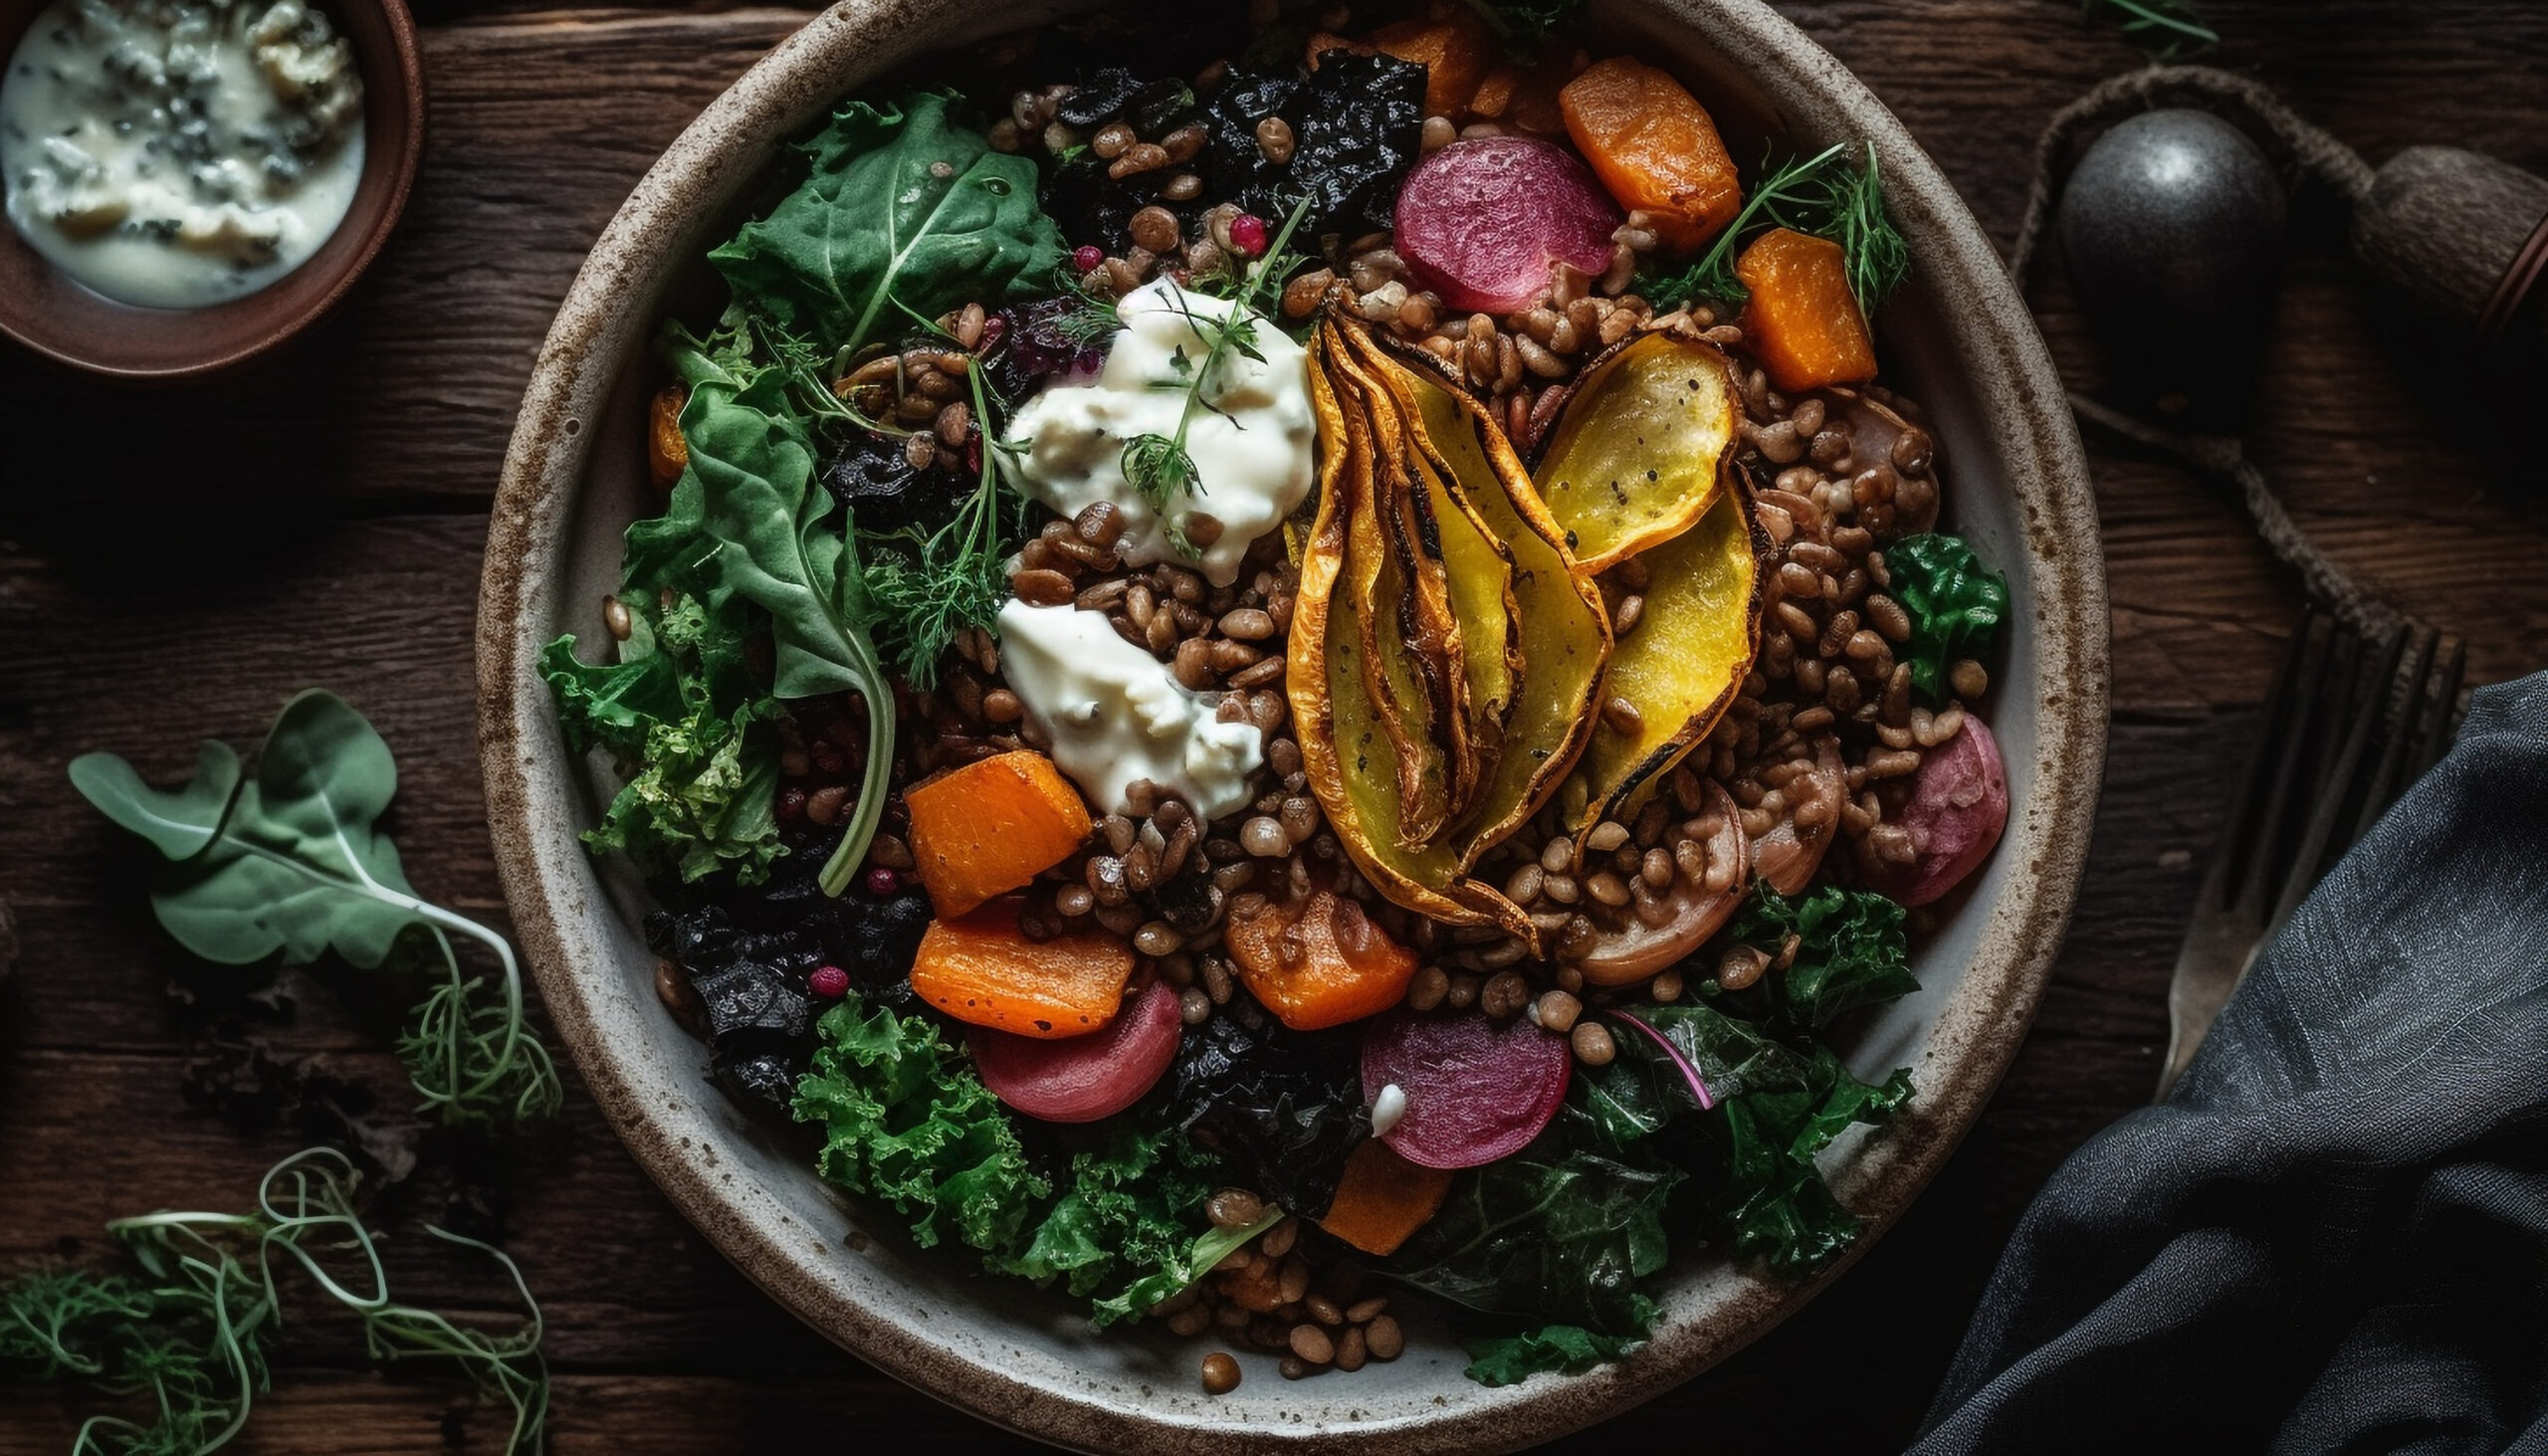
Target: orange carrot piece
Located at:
point(1655, 147)
point(1382, 1198)
point(1803, 321)
point(1495, 89)
point(990, 826)
point(982, 969)
point(1318, 962)
point(1454, 52)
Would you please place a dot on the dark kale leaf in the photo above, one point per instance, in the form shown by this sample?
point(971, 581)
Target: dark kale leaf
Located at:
point(1850, 953)
point(1357, 125)
point(1955, 602)
point(1524, 24)
point(1091, 207)
point(874, 479)
point(1282, 1108)
point(1561, 1231)
point(1509, 1359)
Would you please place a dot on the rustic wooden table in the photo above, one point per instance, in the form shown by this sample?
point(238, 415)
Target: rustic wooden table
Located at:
point(173, 564)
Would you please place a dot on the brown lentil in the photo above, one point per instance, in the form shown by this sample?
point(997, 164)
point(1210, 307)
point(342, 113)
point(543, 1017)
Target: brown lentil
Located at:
point(1591, 1043)
point(1220, 1373)
point(1383, 1338)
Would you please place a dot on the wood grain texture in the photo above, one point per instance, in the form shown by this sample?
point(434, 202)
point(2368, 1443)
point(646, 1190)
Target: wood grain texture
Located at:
point(319, 521)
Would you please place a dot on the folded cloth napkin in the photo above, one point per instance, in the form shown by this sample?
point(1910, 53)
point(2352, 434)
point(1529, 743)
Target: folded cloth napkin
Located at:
point(2333, 1237)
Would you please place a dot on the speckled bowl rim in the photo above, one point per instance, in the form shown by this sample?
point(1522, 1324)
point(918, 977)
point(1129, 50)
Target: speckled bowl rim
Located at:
point(558, 902)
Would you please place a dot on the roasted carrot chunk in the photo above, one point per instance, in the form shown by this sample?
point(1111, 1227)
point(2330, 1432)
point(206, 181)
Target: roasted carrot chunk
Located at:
point(982, 969)
point(1318, 960)
point(1655, 147)
point(667, 453)
point(990, 826)
point(1382, 1198)
point(1803, 321)
point(1453, 51)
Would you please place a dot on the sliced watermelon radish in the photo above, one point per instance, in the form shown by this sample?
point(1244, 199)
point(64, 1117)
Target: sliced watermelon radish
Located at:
point(1079, 1079)
point(1483, 221)
point(1475, 1091)
point(1955, 809)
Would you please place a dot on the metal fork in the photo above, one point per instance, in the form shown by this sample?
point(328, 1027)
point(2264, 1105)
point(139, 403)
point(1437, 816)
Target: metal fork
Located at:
point(2312, 787)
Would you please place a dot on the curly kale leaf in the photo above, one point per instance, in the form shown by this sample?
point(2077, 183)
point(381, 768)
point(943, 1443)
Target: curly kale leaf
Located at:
point(1571, 1350)
point(690, 726)
point(1956, 604)
point(904, 214)
point(1852, 951)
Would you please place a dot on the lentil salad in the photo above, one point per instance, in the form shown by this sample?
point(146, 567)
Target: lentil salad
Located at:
point(1687, 942)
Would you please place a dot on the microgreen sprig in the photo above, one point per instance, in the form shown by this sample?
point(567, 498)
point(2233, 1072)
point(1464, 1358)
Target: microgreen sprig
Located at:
point(1830, 195)
point(186, 1340)
point(1158, 466)
point(2166, 29)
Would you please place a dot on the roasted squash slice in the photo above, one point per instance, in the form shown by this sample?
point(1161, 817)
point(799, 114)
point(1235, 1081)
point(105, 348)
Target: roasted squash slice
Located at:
point(1565, 635)
point(1638, 452)
point(1344, 745)
point(1679, 670)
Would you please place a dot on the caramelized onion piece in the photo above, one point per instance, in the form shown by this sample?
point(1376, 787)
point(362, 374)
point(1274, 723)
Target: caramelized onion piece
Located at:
point(1636, 950)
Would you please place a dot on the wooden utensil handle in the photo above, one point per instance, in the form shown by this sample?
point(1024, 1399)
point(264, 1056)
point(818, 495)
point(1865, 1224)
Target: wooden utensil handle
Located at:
point(2465, 234)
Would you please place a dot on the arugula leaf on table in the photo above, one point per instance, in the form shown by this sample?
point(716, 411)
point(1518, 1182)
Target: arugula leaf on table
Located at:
point(291, 860)
point(1956, 604)
point(904, 215)
point(1509, 1359)
point(1562, 1231)
point(691, 730)
point(758, 502)
point(1852, 951)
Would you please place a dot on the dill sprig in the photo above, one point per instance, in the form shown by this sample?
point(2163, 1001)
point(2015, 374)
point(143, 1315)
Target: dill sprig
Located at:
point(1830, 195)
point(186, 1338)
point(2165, 30)
point(1158, 466)
point(956, 577)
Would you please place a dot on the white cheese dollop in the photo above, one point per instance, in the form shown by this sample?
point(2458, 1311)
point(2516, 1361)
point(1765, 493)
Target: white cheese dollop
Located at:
point(1115, 715)
point(1250, 436)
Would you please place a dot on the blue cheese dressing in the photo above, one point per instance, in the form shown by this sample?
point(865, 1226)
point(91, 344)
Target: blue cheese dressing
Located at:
point(178, 154)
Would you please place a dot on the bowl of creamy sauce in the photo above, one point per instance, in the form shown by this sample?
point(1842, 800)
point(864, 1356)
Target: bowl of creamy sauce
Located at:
point(190, 182)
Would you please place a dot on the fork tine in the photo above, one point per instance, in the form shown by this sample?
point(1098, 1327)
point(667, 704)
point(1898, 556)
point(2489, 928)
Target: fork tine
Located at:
point(2288, 744)
point(2445, 710)
point(2409, 690)
point(2364, 702)
point(2256, 773)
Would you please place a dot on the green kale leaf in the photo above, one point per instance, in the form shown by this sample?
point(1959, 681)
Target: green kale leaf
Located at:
point(1562, 1231)
point(906, 1123)
point(1131, 1211)
point(1509, 1359)
point(1850, 951)
point(904, 215)
point(1191, 1263)
point(1956, 603)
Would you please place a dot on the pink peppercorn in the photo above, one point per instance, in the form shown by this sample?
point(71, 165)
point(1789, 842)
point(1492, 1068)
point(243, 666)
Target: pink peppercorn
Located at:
point(829, 982)
point(995, 329)
point(1090, 257)
point(1247, 235)
point(882, 881)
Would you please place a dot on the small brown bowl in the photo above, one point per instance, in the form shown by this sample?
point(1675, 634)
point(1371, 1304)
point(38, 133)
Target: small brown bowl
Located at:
point(45, 309)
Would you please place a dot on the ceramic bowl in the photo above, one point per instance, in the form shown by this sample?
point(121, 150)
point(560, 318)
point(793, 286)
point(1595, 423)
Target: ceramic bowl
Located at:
point(1958, 339)
point(45, 309)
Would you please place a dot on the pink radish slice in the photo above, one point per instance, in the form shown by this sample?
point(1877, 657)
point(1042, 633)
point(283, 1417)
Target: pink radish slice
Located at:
point(1957, 805)
point(1079, 1079)
point(1481, 222)
point(1475, 1091)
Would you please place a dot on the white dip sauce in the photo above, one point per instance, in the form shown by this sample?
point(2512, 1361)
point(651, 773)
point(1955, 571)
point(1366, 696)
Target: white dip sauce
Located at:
point(1250, 436)
point(1115, 715)
point(176, 154)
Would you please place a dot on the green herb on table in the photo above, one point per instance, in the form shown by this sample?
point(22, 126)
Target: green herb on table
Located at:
point(291, 860)
point(2168, 30)
point(186, 1337)
point(1829, 194)
point(1956, 606)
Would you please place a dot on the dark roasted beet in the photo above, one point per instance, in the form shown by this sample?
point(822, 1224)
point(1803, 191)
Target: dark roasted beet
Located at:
point(875, 479)
point(756, 997)
point(763, 1083)
point(1033, 347)
point(1189, 902)
point(1283, 1107)
point(1357, 125)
